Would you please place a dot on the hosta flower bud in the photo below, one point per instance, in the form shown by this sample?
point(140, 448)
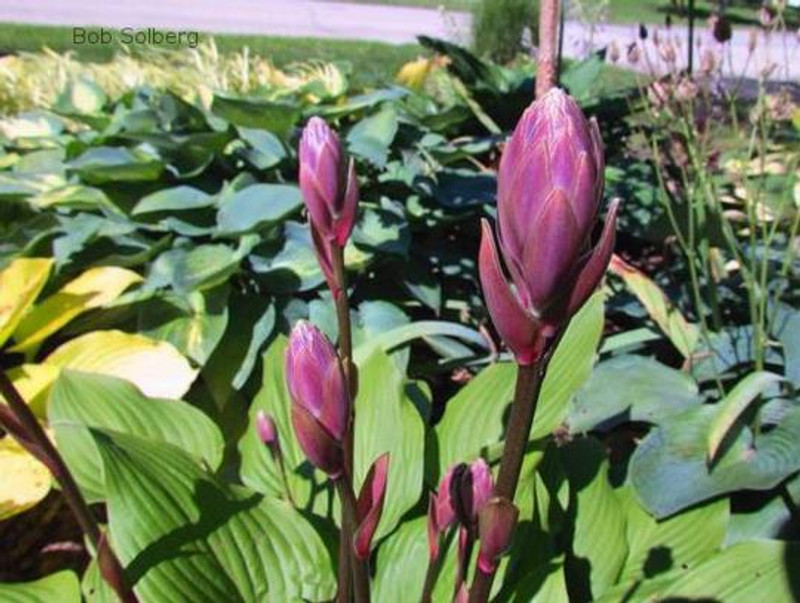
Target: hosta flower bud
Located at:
point(320, 399)
point(330, 191)
point(496, 524)
point(369, 506)
point(549, 187)
point(328, 182)
point(267, 432)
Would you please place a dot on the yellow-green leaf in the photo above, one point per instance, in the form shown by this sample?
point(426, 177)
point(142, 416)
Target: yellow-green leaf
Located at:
point(33, 382)
point(20, 283)
point(155, 367)
point(25, 480)
point(93, 289)
point(681, 332)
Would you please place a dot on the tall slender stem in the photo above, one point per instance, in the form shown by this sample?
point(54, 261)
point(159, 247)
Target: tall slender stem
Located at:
point(342, 305)
point(25, 428)
point(523, 409)
point(360, 574)
point(546, 69)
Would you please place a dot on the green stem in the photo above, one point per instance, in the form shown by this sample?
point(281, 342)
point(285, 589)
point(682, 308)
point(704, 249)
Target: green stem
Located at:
point(25, 428)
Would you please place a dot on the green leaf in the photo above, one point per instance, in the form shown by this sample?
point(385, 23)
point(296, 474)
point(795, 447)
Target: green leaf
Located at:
point(474, 418)
point(670, 472)
point(674, 546)
point(599, 537)
point(194, 267)
point(257, 206)
point(371, 138)
point(276, 117)
point(388, 421)
point(178, 198)
point(81, 96)
point(289, 265)
point(731, 407)
point(61, 586)
point(100, 165)
point(631, 388)
point(403, 561)
point(82, 401)
point(258, 469)
point(265, 150)
point(194, 323)
point(183, 536)
point(765, 570)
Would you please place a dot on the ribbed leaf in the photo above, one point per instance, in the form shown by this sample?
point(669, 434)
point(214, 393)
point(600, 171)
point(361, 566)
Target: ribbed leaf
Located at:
point(62, 587)
point(600, 524)
point(766, 570)
point(183, 536)
point(474, 417)
point(80, 401)
point(388, 421)
point(155, 367)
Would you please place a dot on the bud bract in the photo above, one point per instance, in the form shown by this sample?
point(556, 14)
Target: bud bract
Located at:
point(369, 506)
point(549, 187)
point(496, 523)
point(320, 398)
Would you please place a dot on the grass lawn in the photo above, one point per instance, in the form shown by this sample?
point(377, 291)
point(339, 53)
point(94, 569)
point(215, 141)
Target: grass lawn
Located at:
point(373, 62)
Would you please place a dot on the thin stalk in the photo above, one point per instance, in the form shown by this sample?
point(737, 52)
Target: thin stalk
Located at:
point(464, 556)
point(547, 60)
point(342, 305)
point(523, 410)
point(360, 573)
point(25, 428)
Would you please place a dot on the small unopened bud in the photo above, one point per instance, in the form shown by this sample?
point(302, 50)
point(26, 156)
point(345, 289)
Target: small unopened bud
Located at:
point(267, 432)
point(766, 15)
point(496, 524)
point(320, 398)
point(613, 52)
point(470, 488)
point(708, 62)
point(686, 90)
point(720, 28)
point(667, 52)
point(642, 31)
point(633, 53)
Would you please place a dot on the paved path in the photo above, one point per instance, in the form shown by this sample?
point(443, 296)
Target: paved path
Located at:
point(331, 19)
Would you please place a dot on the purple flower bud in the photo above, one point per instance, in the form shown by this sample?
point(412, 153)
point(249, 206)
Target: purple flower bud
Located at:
point(328, 182)
point(470, 488)
point(267, 432)
point(549, 187)
point(369, 506)
point(496, 523)
point(462, 492)
point(321, 401)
